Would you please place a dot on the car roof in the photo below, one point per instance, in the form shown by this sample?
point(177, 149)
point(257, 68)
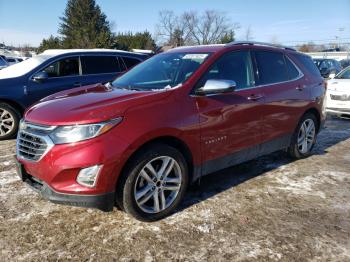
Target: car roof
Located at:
point(56, 52)
point(218, 47)
point(199, 48)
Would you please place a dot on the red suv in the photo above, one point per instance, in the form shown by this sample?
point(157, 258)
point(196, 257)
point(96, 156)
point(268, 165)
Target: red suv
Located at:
point(139, 141)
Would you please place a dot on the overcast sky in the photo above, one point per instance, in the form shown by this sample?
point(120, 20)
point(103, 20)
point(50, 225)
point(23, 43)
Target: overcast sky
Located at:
point(288, 22)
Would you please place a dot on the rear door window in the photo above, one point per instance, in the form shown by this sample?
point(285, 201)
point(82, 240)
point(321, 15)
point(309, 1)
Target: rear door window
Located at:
point(271, 67)
point(100, 65)
point(64, 67)
point(130, 62)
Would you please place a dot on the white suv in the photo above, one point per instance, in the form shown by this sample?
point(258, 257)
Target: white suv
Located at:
point(338, 94)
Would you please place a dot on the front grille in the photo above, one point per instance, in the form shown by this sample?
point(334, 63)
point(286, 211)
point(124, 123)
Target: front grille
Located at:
point(30, 146)
point(340, 97)
point(33, 141)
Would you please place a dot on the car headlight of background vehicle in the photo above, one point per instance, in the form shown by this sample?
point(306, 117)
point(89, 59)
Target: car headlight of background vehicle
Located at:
point(76, 133)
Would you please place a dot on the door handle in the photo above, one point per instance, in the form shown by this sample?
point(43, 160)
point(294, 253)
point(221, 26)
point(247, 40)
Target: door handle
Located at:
point(254, 97)
point(300, 87)
point(77, 84)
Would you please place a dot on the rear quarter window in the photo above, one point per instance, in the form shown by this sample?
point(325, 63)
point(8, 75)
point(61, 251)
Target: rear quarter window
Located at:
point(292, 70)
point(308, 64)
point(130, 62)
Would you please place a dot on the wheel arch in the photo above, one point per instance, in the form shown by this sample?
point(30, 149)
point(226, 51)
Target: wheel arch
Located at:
point(169, 140)
point(315, 112)
point(13, 104)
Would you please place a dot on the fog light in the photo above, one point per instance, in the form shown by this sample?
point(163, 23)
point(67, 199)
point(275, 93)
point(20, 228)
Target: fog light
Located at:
point(88, 176)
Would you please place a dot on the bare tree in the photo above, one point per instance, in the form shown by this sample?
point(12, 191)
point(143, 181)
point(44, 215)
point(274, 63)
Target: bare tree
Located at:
point(249, 34)
point(191, 28)
point(171, 29)
point(208, 28)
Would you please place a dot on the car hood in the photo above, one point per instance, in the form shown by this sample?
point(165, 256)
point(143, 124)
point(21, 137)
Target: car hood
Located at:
point(89, 104)
point(339, 85)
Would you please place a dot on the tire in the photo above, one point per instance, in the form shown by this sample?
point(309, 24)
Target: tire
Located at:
point(137, 192)
point(9, 120)
point(297, 149)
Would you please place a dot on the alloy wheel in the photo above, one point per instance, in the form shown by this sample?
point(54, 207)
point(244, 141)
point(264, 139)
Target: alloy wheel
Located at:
point(306, 136)
point(158, 184)
point(7, 122)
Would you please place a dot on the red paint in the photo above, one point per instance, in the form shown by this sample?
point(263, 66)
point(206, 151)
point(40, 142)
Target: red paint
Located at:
point(231, 120)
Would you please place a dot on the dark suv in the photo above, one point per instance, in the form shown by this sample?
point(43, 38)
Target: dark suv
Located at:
point(24, 83)
point(139, 141)
point(328, 67)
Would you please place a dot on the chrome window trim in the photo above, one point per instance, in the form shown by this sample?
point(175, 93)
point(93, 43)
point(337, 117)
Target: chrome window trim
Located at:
point(54, 61)
point(80, 65)
point(301, 75)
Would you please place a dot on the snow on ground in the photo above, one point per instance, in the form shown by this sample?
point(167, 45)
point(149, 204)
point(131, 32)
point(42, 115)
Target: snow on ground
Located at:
point(271, 208)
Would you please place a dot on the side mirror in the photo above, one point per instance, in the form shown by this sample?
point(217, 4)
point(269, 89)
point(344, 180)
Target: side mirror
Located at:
point(40, 77)
point(213, 86)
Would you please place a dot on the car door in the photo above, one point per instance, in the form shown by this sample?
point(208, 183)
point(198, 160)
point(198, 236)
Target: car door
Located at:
point(230, 123)
point(280, 81)
point(62, 74)
point(100, 68)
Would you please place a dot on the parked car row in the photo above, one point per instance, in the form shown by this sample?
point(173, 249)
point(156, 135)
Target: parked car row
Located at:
point(139, 141)
point(25, 83)
point(6, 61)
point(330, 67)
point(338, 94)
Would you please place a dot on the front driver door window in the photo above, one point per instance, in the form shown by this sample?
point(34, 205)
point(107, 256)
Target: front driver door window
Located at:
point(63, 67)
point(62, 74)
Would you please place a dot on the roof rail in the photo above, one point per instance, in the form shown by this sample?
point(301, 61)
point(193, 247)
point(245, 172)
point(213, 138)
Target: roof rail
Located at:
point(259, 43)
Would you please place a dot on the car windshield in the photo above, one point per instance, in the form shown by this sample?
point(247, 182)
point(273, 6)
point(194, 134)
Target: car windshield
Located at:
point(166, 70)
point(24, 67)
point(2, 62)
point(345, 74)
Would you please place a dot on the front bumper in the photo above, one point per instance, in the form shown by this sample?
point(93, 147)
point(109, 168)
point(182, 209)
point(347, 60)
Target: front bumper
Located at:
point(338, 111)
point(104, 202)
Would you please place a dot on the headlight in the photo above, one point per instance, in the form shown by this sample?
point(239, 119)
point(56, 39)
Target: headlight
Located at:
point(76, 133)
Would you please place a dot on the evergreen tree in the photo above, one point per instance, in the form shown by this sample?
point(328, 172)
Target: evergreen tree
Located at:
point(128, 41)
point(51, 43)
point(84, 25)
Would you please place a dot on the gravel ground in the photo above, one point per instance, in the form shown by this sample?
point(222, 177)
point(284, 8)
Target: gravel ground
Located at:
point(268, 209)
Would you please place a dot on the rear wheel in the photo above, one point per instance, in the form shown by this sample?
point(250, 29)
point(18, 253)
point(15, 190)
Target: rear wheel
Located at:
point(154, 183)
point(9, 119)
point(304, 137)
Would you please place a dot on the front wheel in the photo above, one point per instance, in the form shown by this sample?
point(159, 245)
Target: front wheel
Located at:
point(304, 137)
point(9, 120)
point(154, 183)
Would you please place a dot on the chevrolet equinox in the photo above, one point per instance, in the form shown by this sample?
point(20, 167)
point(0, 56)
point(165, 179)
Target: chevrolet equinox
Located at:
point(139, 141)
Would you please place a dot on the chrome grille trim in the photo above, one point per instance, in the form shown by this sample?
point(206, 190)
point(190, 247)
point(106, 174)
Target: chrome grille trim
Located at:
point(340, 97)
point(32, 144)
